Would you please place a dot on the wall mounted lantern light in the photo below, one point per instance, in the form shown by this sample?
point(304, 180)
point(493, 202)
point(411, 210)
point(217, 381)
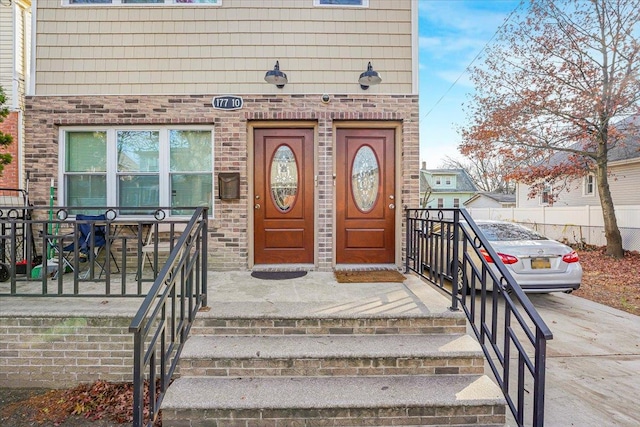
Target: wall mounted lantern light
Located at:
point(276, 77)
point(369, 78)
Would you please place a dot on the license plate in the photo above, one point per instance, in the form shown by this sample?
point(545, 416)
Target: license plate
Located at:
point(537, 263)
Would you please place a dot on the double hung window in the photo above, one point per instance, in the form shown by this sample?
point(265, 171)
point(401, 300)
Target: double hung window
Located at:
point(138, 168)
point(546, 198)
point(589, 185)
point(209, 2)
point(351, 3)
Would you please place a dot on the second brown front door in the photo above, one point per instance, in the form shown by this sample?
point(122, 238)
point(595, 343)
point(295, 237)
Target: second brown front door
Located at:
point(283, 198)
point(365, 196)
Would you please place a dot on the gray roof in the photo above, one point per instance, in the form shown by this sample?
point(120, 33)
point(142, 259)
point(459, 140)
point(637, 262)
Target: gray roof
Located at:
point(498, 197)
point(629, 148)
point(626, 149)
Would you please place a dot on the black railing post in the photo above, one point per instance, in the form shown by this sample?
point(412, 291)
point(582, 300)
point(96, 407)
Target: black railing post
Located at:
point(138, 380)
point(204, 255)
point(409, 243)
point(540, 379)
point(455, 262)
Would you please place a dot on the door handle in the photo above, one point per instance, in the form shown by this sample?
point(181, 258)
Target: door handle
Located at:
point(257, 206)
point(392, 206)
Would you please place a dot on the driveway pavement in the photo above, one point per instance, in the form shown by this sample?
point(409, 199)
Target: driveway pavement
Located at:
point(593, 364)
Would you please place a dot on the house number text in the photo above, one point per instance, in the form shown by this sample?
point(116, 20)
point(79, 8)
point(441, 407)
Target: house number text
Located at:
point(227, 102)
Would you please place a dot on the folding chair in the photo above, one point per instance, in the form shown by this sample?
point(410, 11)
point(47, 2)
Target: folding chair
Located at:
point(160, 240)
point(91, 239)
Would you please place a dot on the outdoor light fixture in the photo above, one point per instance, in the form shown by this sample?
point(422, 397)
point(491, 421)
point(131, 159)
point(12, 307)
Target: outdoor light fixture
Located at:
point(369, 78)
point(276, 77)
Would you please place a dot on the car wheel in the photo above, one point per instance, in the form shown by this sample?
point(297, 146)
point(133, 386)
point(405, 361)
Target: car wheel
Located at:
point(5, 273)
point(461, 281)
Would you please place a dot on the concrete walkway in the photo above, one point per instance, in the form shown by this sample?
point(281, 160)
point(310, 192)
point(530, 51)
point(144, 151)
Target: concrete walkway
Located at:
point(593, 363)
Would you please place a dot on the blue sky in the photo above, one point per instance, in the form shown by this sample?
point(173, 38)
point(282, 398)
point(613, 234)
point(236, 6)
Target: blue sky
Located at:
point(452, 33)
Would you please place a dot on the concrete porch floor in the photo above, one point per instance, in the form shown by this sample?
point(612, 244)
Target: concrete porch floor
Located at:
point(237, 293)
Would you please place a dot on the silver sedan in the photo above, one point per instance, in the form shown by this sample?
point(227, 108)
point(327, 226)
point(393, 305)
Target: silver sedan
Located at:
point(537, 263)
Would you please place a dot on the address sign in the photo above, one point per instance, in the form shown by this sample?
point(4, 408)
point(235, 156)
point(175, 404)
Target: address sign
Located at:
point(227, 102)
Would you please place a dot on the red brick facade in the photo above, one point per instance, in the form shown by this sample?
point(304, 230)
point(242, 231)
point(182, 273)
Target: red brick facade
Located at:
point(10, 177)
point(229, 241)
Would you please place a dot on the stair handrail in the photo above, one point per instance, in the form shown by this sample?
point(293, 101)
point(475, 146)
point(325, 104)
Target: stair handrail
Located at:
point(161, 326)
point(437, 249)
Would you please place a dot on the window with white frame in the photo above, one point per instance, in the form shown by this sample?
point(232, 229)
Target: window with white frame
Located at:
point(440, 203)
point(125, 2)
point(589, 185)
point(348, 3)
point(456, 202)
point(546, 198)
point(139, 168)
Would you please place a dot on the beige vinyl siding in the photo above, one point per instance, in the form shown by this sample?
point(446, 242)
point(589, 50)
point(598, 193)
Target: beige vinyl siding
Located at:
point(144, 49)
point(15, 24)
point(6, 52)
point(624, 180)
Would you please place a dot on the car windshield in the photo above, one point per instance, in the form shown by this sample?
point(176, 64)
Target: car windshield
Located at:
point(508, 232)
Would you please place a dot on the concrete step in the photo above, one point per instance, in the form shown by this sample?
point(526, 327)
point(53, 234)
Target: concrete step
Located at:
point(461, 400)
point(331, 355)
point(444, 323)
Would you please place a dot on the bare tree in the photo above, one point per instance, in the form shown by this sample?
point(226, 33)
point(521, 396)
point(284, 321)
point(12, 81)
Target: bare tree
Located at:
point(560, 79)
point(488, 173)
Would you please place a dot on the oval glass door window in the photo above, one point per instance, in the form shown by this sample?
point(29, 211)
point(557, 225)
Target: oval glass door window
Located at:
point(284, 178)
point(365, 178)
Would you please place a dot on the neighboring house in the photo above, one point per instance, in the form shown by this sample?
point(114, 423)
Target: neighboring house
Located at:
point(491, 200)
point(147, 103)
point(15, 42)
point(445, 188)
point(624, 180)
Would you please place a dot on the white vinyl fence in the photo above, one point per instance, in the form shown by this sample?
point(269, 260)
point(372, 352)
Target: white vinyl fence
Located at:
point(573, 224)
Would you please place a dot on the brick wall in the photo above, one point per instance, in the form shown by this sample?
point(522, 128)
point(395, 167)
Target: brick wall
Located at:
point(228, 243)
point(65, 351)
point(9, 177)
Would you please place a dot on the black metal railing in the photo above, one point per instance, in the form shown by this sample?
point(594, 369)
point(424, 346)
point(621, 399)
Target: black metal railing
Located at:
point(115, 252)
point(104, 255)
point(162, 324)
point(445, 247)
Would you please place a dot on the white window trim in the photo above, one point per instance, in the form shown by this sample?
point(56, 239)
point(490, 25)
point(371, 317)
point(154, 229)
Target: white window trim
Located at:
point(364, 4)
point(120, 3)
point(548, 189)
point(111, 173)
point(593, 185)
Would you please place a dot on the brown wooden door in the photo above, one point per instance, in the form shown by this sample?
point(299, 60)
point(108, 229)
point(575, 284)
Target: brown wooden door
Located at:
point(283, 196)
point(365, 196)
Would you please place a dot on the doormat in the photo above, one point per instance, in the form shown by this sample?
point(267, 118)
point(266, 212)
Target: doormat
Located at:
point(278, 275)
point(370, 276)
